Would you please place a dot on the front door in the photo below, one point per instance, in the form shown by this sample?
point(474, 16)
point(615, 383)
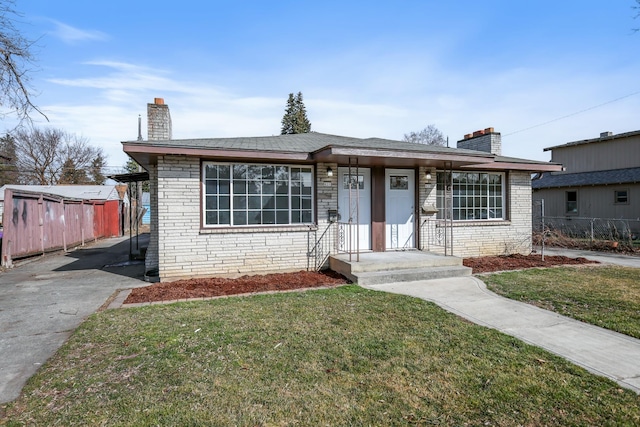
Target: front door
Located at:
point(400, 202)
point(354, 209)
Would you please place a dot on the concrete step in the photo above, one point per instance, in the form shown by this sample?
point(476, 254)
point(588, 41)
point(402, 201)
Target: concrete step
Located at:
point(385, 261)
point(407, 275)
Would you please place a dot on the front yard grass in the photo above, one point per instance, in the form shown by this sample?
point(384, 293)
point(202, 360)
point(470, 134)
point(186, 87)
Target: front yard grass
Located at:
point(344, 356)
point(605, 296)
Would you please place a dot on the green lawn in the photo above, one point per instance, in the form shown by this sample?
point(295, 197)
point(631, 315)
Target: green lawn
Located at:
point(344, 356)
point(604, 296)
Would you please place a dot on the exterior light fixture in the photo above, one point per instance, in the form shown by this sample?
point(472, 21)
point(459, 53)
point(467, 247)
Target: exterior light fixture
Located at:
point(329, 171)
point(428, 176)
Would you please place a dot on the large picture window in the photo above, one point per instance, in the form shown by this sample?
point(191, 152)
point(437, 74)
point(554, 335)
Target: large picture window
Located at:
point(474, 195)
point(249, 194)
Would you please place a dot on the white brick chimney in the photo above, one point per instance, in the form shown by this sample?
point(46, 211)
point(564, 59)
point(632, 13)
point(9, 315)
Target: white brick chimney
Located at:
point(158, 121)
point(486, 140)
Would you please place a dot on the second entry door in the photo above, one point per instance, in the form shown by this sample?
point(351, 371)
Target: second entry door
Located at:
point(400, 203)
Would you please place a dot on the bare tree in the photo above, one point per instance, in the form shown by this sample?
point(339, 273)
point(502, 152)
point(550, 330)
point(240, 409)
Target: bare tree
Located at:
point(47, 156)
point(15, 61)
point(429, 135)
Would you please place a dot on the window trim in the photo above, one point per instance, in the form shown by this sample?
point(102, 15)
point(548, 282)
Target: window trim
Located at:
point(615, 196)
point(503, 196)
point(253, 227)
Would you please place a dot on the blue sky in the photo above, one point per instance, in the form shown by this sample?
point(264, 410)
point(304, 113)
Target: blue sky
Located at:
point(542, 73)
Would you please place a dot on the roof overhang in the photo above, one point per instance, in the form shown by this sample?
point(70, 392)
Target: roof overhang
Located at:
point(130, 177)
point(146, 155)
point(529, 167)
point(397, 158)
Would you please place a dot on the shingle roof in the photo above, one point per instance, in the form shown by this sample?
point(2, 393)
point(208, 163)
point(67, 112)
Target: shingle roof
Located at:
point(314, 142)
point(599, 139)
point(84, 192)
point(608, 177)
point(300, 143)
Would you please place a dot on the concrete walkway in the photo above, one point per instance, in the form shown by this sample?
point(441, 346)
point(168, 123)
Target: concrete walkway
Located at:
point(598, 350)
point(43, 300)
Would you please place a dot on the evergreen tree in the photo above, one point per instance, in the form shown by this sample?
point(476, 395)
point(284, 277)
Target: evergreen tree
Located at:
point(289, 115)
point(133, 167)
point(295, 116)
point(8, 168)
point(95, 170)
point(71, 174)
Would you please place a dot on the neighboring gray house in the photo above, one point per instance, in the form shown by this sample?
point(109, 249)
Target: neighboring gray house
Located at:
point(601, 178)
point(234, 206)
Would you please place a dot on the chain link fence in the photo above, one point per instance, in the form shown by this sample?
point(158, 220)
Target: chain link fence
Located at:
point(582, 232)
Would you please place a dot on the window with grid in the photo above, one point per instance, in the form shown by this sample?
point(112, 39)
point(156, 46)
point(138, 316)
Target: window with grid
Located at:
point(475, 195)
point(249, 194)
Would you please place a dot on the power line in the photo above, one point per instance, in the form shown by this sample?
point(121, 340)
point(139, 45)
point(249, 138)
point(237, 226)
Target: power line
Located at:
point(572, 114)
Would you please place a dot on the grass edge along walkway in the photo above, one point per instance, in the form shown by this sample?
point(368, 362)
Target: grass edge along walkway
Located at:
point(604, 296)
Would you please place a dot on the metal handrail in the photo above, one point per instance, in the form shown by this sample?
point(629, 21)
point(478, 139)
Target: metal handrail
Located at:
point(318, 253)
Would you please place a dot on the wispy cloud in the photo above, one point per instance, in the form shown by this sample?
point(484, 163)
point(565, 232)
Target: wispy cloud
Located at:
point(73, 35)
point(111, 95)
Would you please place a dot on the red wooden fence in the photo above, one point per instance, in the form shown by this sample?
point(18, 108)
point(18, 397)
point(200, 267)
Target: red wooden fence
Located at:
point(35, 223)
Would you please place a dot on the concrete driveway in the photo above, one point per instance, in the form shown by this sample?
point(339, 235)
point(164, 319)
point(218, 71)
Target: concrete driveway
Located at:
point(43, 300)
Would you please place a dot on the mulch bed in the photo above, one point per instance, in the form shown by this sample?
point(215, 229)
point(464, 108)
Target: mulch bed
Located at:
point(213, 287)
point(490, 264)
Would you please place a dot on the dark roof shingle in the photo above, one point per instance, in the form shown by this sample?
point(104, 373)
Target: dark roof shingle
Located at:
point(608, 177)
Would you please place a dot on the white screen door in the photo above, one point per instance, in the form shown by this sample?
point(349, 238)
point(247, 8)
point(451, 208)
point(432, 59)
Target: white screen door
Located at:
point(359, 210)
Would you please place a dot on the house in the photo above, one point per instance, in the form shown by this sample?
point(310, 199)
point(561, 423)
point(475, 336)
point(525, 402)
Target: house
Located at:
point(601, 178)
point(234, 206)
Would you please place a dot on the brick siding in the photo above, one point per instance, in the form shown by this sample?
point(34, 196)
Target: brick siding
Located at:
point(185, 249)
point(480, 238)
point(181, 248)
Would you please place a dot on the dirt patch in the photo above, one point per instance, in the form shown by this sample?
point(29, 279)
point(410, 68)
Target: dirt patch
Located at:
point(212, 287)
point(490, 264)
point(215, 286)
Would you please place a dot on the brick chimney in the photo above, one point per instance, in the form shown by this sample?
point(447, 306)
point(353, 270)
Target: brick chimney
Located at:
point(486, 140)
point(158, 121)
